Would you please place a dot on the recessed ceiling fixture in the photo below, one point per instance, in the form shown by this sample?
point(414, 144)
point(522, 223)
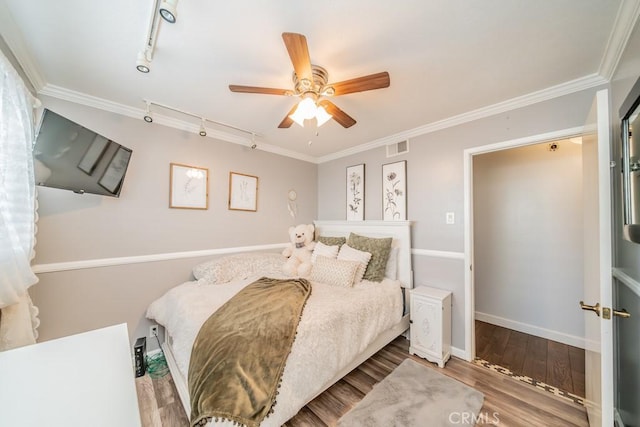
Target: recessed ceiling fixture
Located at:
point(310, 83)
point(202, 130)
point(168, 10)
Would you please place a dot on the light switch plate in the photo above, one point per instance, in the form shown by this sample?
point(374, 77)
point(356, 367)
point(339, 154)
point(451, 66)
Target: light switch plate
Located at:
point(451, 218)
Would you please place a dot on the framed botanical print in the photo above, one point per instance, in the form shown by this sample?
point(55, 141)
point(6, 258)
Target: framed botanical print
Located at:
point(394, 191)
point(355, 193)
point(189, 187)
point(243, 192)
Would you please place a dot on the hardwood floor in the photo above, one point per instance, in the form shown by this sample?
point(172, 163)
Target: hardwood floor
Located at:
point(553, 363)
point(508, 402)
point(159, 402)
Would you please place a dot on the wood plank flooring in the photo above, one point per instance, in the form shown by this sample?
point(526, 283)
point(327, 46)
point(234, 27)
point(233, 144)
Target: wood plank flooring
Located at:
point(159, 402)
point(507, 402)
point(553, 363)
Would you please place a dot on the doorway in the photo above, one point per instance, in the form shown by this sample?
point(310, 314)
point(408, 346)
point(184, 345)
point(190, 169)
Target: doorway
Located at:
point(526, 199)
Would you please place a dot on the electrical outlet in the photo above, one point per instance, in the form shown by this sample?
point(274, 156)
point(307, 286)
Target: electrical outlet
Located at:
point(153, 331)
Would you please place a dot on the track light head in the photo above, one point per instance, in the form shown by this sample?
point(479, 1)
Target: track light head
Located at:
point(203, 131)
point(147, 117)
point(142, 63)
point(168, 10)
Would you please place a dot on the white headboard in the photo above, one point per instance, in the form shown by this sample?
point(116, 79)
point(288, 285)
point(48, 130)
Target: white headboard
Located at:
point(399, 230)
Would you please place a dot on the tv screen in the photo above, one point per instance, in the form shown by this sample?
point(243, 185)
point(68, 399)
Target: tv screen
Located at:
point(72, 157)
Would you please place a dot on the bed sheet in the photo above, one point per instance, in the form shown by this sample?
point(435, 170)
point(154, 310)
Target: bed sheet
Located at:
point(337, 324)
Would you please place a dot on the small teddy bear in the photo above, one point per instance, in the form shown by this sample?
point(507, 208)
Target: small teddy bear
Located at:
point(299, 250)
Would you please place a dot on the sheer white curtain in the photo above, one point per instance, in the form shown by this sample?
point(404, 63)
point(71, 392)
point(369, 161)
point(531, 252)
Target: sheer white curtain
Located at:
point(17, 209)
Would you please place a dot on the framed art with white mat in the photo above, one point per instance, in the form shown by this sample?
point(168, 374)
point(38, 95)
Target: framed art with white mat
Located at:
point(394, 191)
point(355, 193)
point(189, 187)
point(243, 192)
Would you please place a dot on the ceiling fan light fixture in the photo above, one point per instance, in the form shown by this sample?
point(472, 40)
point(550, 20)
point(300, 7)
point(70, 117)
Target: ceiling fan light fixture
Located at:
point(322, 116)
point(328, 91)
point(168, 10)
point(298, 117)
point(307, 108)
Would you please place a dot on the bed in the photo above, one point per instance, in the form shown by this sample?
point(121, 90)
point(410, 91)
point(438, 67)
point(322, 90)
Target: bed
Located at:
point(340, 327)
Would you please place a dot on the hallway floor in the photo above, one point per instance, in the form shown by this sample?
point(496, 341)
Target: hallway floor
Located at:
point(552, 363)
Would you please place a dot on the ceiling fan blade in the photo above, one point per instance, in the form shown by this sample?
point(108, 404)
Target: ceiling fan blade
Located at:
point(288, 121)
point(255, 89)
point(361, 84)
point(338, 115)
point(299, 53)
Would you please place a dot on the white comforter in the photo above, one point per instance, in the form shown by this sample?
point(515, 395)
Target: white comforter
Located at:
point(336, 325)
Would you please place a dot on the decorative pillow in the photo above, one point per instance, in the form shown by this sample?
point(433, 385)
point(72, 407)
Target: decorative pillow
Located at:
point(324, 250)
point(332, 241)
point(334, 272)
point(227, 268)
point(379, 249)
point(350, 254)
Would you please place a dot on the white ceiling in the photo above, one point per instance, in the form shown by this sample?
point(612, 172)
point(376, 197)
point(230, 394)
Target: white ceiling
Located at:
point(445, 57)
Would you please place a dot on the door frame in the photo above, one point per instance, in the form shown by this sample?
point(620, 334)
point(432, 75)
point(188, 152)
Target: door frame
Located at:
point(469, 288)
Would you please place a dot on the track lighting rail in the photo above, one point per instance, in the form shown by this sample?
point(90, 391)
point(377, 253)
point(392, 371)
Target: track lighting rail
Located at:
point(148, 118)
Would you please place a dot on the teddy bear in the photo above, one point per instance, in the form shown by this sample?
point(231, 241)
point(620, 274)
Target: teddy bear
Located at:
point(299, 250)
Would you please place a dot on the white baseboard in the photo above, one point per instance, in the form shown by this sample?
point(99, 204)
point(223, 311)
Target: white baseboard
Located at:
point(460, 354)
point(532, 329)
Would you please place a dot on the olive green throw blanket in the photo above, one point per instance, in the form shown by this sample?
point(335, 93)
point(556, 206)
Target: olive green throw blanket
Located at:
point(240, 352)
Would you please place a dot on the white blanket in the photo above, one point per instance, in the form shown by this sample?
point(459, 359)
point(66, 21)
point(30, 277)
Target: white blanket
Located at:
point(337, 324)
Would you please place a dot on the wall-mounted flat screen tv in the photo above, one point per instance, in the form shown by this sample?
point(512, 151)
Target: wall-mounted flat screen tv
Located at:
point(69, 156)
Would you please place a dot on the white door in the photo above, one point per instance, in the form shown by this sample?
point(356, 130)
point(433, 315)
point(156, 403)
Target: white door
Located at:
point(597, 264)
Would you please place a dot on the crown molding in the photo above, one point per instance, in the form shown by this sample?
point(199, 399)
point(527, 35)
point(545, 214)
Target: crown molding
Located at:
point(13, 38)
point(626, 18)
point(562, 89)
point(138, 113)
point(623, 26)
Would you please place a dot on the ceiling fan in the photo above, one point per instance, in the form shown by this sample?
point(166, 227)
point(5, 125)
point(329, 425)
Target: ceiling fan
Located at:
point(311, 85)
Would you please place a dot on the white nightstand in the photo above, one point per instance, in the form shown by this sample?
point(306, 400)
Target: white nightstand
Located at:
point(431, 324)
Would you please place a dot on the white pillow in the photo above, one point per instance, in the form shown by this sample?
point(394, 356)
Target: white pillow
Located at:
point(324, 250)
point(240, 266)
point(350, 254)
point(334, 272)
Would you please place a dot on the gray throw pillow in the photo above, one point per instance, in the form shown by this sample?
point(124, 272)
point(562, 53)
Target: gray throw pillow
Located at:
point(332, 241)
point(379, 248)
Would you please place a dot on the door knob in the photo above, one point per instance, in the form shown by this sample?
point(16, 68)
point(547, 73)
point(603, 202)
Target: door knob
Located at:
point(594, 308)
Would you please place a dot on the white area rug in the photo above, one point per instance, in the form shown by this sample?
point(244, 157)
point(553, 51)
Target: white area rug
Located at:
point(414, 395)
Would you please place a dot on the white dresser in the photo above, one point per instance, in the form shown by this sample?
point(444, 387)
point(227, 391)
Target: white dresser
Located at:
point(80, 380)
point(431, 324)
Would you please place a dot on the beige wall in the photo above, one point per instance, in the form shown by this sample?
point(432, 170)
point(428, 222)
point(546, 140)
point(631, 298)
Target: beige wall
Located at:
point(435, 174)
point(76, 227)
